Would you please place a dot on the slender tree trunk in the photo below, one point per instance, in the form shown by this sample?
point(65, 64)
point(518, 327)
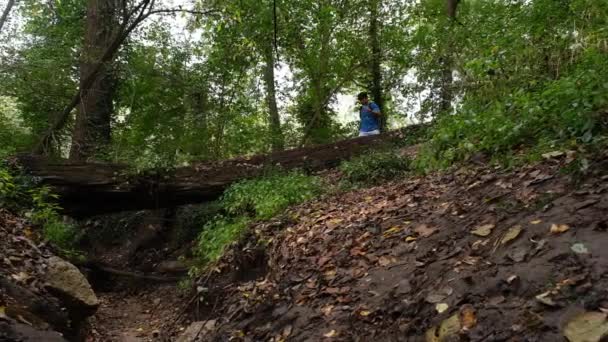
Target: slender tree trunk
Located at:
point(446, 95)
point(93, 116)
point(376, 60)
point(312, 129)
point(277, 139)
point(5, 13)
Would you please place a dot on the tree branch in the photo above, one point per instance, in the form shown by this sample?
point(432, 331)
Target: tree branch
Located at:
point(6, 12)
point(141, 12)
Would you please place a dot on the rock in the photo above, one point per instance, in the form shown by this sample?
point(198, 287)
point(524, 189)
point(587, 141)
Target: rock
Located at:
point(65, 281)
point(195, 330)
point(31, 304)
point(11, 331)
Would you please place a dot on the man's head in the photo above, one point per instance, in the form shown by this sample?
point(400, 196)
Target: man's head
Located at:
point(362, 97)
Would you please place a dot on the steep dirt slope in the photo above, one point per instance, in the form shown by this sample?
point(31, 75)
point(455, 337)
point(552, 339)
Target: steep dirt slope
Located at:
point(474, 254)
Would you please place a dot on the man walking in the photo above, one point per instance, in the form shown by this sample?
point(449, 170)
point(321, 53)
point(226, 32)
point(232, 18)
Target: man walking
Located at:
point(370, 116)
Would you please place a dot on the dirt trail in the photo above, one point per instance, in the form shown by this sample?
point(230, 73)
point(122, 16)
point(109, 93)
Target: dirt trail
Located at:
point(474, 254)
point(135, 317)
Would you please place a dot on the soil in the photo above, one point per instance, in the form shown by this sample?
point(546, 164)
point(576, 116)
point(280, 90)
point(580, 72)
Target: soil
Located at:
point(477, 253)
point(473, 254)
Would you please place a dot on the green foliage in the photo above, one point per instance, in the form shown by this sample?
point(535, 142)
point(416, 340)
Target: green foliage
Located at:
point(260, 198)
point(527, 81)
point(265, 197)
point(19, 194)
point(191, 218)
point(373, 167)
point(217, 235)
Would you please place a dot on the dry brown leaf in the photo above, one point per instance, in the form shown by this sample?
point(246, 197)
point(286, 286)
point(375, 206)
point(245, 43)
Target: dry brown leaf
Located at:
point(545, 299)
point(554, 154)
point(442, 307)
point(332, 290)
point(410, 239)
point(511, 234)
point(364, 313)
point(559, 228)
point(447, 330)
point(468, 320)
point(424, 230)
point(330, 334)
point(384, 261)
point(327, 310)
point(391, 231)
point(587, 327)
point(483, 231)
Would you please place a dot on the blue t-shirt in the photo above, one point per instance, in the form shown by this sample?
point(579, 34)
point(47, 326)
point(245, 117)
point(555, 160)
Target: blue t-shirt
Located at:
point(369, 120)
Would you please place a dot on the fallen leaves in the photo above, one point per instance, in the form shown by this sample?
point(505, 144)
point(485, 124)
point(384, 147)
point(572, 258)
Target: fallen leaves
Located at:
point(553, 154)
point(545, 298)
point(330, 334)
point(559, 228)
point(579, 248)
point(424, 230)
point(440, 295)
point(468, 319)
point(448, 329)
point(365, 313)
point(442, 307)
point(483, 231)
point(587, 327)
point(512, 234)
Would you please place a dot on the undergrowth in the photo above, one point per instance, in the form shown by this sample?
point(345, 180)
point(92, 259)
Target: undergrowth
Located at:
point(249, 200)
point(373, 168)
point(21, 195)
point(522, 123)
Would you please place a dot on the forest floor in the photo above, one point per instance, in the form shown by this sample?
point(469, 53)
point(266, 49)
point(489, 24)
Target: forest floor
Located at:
point(477, 253)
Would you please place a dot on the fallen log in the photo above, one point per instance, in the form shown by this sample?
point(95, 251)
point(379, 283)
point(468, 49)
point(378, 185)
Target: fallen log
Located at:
point(87, 189)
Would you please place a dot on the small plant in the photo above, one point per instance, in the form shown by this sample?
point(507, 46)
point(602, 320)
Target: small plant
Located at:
point(265, 197)
point(260, 198)
point(217, 235)
point(373, 168)
point(19, 194)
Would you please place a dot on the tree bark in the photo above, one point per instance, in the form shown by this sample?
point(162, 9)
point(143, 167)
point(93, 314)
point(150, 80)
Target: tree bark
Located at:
point(5, 13)
point(446, 95)
point(277, 139)
point(92, 131)
point(376, 60)
point(94, 188)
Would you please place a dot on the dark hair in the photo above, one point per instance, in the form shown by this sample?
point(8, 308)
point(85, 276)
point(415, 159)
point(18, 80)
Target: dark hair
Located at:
point(362, 96)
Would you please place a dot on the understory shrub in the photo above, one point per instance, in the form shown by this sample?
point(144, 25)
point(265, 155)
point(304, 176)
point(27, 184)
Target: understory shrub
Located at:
point(248, 200)
point(218, 234)
point(265, 197)
point(18, 193)
point(544, 115)
point(373, 168)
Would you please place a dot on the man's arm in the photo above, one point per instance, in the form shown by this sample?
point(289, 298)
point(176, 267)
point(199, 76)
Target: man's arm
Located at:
point(375, 109)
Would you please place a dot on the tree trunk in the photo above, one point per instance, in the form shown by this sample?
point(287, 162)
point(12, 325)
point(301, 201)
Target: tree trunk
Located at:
point(376, 60)
point(94, 188)
point(5, 13)
point(446, 95)
point(93, 116)
point(277, 139)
